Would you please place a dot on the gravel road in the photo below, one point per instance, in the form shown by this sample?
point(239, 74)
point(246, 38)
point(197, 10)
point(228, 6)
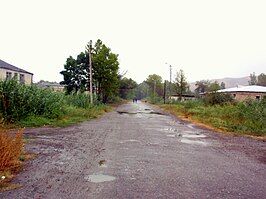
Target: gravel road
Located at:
point(138, 151)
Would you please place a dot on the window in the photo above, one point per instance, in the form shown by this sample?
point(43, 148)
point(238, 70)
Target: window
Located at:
point(8, 75)
point(258, 98)
point(22, 78)
point(15, 76)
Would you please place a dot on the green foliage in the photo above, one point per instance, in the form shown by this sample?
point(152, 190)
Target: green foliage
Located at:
point(248, 117)
point(261, 80)
point(105, 71)
point(214, 86)
point(181, 83)
point(127, 87)
point(76, 73)
point(80, 100)
point(217, 98)
point(202, 86)
point(253, 79)
point(155, 85)
point(19, 101)
point(142, 90)
point(105, 68)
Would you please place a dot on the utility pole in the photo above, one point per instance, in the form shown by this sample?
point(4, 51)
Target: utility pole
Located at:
point(90, 62)
point(170, 84)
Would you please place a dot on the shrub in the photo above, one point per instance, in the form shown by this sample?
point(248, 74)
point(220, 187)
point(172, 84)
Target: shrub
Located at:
point(217, 98)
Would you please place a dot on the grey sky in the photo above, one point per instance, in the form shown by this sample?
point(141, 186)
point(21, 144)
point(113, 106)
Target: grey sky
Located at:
point(206, 38)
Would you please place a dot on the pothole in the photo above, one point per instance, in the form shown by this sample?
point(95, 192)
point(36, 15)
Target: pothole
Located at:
point(98, 178)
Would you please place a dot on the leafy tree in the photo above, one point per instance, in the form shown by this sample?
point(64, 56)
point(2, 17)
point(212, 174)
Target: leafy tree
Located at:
point(202, 86)
point(155, 85)
point(105, 76)
point(253, 79)
point(214, 87)
point(181, 83)
point(76, 73)
point(261, 80)
point(105, 71)
point(127, 87)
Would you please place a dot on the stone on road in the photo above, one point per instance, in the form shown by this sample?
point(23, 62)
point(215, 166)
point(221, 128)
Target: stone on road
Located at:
point(140, 152)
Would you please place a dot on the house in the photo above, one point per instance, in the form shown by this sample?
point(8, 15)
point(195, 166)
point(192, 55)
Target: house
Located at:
point(54, 86)
point(8, 71)
point(241, 93)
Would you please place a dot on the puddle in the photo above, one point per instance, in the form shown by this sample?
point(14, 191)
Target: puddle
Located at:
point(125, 112)
point(171, 135)
point(140, 112)
point(187, 141)
point(122, 142)
point(170, 129)
point(193, 136)
point(98, 178)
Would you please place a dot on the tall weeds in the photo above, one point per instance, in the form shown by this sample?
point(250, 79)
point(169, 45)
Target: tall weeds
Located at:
point(11, 147)
point(19, 101)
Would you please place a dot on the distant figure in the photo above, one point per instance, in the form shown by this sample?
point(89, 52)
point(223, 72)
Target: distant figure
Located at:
point(135, 100)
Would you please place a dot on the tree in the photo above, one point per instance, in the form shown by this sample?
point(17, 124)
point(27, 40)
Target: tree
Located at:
point(261, 80)
point(222, 85)
point(202, 86)
point(253, 79)
point(127, 87)
point(105, 71)
point(141, 91)
point(181, 83)
point(214, 87)
point(76, 74)
point(155, 85)
point(105, 76)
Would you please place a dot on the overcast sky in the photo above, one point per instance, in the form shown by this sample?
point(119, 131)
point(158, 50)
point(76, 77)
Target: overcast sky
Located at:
point(206, 38)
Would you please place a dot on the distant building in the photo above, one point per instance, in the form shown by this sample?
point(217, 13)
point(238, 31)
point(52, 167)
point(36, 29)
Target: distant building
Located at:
point(54, 86)
point(184, 97)
point(8, 71)
point(242, 93)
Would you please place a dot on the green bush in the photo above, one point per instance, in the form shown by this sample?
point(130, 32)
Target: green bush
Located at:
point(217, 98)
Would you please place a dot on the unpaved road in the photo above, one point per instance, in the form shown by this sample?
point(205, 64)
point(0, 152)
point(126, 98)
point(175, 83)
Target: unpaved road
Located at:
point(136, 152)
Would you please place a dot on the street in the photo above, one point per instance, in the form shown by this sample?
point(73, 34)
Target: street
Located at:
point(138, 151)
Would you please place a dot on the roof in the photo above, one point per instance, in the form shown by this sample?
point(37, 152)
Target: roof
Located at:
point(11, 67)
point(253, 88)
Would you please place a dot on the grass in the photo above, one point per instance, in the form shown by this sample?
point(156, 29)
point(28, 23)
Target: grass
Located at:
point(71, 115)
point(246, 118)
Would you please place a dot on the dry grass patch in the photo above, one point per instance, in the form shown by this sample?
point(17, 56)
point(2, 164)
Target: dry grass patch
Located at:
point(11, 156)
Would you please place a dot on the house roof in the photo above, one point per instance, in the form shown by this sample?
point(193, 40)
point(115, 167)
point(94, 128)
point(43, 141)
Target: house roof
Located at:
point(8, 66)
point(254, 89)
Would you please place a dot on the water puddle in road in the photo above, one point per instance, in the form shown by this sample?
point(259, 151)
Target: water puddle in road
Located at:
point(140, 112)
point(193, 136)
point(131, 140)
point(187, 141)
point(98, 178)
